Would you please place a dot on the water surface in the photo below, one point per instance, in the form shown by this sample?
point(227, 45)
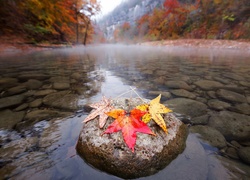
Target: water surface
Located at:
point(87, 73)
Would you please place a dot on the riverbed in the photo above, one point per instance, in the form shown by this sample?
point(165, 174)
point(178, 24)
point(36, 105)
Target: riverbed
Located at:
point(44, 96)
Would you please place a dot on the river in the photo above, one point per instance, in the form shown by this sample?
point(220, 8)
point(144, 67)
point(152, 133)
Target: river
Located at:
point(43, 98)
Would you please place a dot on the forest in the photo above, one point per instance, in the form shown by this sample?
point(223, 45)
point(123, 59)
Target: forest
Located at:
point(71, 21)
point(54, 21)
point(198, 19)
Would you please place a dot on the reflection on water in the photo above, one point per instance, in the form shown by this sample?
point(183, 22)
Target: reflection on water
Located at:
point(43, 97)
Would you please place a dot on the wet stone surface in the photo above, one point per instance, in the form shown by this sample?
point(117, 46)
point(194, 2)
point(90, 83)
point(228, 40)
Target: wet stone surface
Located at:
point(152, 153)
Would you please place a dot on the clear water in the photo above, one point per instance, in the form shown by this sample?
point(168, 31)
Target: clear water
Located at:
point(112, 70)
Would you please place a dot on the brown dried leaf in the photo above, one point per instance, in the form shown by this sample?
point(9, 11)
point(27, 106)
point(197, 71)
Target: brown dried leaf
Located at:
point(100, 109)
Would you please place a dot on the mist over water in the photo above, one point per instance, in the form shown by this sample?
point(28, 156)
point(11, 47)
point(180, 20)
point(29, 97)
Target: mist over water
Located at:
point(85, 74)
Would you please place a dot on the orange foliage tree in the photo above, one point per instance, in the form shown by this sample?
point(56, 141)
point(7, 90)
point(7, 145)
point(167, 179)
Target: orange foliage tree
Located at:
point(176, 15)
point(143, 25)
point(165, 22)
point(124, 33)
point(44, 19)
point(220, 19)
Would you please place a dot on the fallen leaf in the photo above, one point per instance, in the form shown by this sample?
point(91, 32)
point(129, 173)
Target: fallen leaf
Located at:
point(129, 125)
point(155, 109)
point(100, 110)
point(144, 107)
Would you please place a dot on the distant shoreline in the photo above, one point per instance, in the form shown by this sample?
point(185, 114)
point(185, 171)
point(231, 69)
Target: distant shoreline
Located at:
point(13, 45)
point(203, 43)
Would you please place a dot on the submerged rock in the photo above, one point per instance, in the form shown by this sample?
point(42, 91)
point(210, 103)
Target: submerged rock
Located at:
point(232, 125)
point(33, 84)
point(8, 82)
point(8, 118)
point(164, 94)
point(208, 85)
point(231, 96)
point(244, 154)
point(38, 115)
point(44, 92)
point(178, 85)
point(218, 105)
point(210, 135)
point(11, 101)
point(61, 79)
point(16, 90)
point(36, 103)
point(15, 148)
point(201, 120)
point(152, 153)
point(61, 85)
point(62, 100)
point(243, 108)
point(183, 93)
point(31, 162)
point(35, 75)
point(187, 107)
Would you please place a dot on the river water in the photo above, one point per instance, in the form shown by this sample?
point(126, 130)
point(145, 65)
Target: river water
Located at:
point(43, 98)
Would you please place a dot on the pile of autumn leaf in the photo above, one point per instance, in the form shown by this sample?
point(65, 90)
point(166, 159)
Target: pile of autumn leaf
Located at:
point(129, 122)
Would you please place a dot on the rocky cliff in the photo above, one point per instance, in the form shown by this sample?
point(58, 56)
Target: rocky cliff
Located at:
point(128, 11)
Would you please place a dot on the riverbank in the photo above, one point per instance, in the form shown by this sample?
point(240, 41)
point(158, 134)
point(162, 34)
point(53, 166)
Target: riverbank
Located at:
point(203, 43)
point(15, 44)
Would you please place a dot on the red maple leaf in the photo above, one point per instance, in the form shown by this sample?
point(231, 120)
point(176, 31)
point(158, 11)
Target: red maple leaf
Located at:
point(129, 125)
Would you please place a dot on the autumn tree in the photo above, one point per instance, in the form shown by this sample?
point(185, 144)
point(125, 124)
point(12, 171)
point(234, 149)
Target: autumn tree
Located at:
point(222, 19)
point(143, 25)
point(176, 15)
point(10, 16)
point(125, 26)
point(117, 34)
point(125, 33)
point(157, 25)
point(84, 12)
point(46, 20)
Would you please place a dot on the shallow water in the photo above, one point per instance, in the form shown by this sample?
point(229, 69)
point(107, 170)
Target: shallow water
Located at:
point(91, 72)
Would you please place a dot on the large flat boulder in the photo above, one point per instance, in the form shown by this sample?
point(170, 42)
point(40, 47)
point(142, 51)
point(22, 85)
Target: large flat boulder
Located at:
point(152, 153)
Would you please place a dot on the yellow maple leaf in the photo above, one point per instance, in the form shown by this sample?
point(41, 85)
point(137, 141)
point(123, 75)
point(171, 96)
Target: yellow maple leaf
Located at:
point(144, 107)
point(155, 109)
